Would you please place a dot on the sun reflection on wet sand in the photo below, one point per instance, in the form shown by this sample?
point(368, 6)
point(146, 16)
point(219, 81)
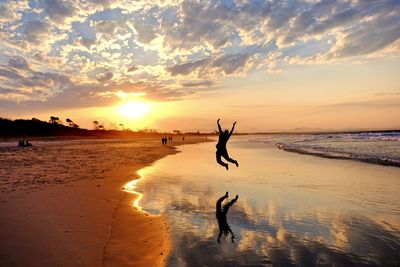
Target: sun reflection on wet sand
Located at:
point(132, 185)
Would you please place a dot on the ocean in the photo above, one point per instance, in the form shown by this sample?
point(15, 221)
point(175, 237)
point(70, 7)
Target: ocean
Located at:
point(373, 147)
point(292, 209)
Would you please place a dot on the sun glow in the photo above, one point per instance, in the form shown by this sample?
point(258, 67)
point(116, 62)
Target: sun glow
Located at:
point(134, 109)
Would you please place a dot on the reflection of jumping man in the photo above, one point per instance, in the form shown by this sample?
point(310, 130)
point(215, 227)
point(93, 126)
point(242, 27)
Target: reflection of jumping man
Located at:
point(221, 213)
point(221, 146)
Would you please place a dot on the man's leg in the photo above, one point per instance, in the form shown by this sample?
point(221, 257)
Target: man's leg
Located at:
point(226, 156)
point(220, 162)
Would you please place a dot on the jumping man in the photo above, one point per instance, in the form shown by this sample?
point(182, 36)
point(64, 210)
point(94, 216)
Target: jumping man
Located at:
point(221, 146)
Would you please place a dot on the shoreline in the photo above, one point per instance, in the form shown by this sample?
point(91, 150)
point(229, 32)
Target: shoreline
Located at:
point(343, 156)
point(75, 222)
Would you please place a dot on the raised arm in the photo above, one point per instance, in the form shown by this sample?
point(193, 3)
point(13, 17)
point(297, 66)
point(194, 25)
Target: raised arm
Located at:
point(219, 126)
point(233, 128)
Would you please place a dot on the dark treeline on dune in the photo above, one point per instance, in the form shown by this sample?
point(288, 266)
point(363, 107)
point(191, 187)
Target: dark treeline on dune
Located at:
point(35, 127)
point(38, 128)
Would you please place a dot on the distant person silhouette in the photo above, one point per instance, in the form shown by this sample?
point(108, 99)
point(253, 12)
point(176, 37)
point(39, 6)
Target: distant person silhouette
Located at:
point(164, 141)
point(221, 146)
point(24, 143)
point(221, 213)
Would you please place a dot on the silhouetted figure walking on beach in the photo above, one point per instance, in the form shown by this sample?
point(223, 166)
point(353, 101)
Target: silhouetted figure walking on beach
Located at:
point(221, 213)
point(164, 141)
point(221, 146)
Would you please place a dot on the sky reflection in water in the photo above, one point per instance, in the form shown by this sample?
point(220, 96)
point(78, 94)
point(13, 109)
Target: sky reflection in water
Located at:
point(292, 209)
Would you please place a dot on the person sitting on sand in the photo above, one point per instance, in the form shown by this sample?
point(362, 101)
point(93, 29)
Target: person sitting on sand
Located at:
point(221, 213)
point(221, 146)
point(24, 143)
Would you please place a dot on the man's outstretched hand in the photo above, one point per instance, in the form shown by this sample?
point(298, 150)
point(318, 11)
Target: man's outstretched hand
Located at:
point(226, 194)
point(235, 123)
point(218, 120)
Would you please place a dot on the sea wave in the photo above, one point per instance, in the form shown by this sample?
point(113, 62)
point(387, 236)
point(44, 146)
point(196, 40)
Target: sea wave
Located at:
point(326, 153)
point(373, 147)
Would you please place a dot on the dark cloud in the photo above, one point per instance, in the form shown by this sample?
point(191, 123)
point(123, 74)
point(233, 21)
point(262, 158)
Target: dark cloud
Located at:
point(88, 43)
point(59, 10)
point(146, 25)
point(6, 91)
point(9, 74)
point(198, 84)
point(132, 69)
point(231, 63)
point(18, 63)
point(104, 3)
point(227, 64)
point(36, 31)
point(186, 68)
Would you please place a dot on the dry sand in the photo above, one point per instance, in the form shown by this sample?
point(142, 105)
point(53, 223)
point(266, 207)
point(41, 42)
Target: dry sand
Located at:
point(63, 205)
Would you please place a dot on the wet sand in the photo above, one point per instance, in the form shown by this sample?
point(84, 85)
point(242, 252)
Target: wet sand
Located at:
point(293, 209)
point(62, 204)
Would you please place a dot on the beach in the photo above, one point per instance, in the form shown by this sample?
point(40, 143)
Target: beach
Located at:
point(62, 204)
point(80, 203)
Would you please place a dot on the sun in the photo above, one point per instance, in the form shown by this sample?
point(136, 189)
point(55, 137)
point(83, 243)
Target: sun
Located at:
point(134, 109)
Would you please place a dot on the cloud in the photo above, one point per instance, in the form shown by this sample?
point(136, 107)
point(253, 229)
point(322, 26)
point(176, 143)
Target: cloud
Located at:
point(177, 41)
point(59, 10)
point(198, 84)
point(18, 63)
point(36, 31)
point(393, 102)
point(373, 36)
point(108, 30)
point(208, 67)
point(198, 23)
point(23, 87)
point(11, 11)
point(104, 77)
point(132, 68)
point(88, 43)
point(19, 75)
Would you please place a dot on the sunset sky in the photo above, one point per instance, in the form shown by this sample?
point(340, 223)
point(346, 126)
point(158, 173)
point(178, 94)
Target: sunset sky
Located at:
point(270, 65)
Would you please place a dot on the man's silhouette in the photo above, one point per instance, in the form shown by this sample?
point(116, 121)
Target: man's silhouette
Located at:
point(221, 146)
point(221, 213)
